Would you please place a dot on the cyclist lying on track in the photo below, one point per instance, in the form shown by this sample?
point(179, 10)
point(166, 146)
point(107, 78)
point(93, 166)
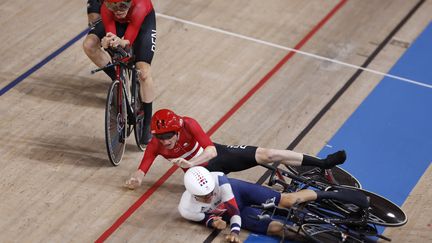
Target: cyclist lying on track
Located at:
point(212, 199)
point(127, 23)
point(182, 141)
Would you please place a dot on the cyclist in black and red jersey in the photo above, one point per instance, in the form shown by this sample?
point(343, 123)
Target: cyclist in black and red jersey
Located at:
point(182, 141)
point(127, 23)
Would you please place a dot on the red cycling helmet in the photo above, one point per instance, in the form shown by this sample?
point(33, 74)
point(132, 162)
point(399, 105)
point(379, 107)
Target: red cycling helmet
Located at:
point(164, 121)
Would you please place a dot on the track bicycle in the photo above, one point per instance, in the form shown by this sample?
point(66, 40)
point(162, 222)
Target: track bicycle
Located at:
point(123, 105)
point(332, 220)
point(333, 176)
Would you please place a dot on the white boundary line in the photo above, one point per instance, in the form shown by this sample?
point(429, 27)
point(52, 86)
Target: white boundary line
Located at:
point(294, 50)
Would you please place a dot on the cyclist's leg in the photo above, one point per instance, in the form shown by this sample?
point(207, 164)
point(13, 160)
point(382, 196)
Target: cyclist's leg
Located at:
point(242, 191)
point(257, 226)
point(291, 158)
point(289, 199)
point(231, 158)
point(144, 48)
point(93, 11)
point(266, 225)
point(261, 194)
point(345, 195)
point(92, 48)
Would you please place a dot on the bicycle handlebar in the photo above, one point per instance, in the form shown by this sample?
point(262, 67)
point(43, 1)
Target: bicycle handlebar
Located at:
point(119, 55)
point(102, 68)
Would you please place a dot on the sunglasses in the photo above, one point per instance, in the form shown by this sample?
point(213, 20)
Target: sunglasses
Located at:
point(165, 136)
point(119, 6)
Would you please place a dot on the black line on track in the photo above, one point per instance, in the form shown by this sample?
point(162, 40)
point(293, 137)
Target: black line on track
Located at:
point(335, 98)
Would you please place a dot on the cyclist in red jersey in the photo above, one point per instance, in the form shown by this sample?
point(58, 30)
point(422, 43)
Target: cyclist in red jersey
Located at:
point(182, 141)
point(127, 23)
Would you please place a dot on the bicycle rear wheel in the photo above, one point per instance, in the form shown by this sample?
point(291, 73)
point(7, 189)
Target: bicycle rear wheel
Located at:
point(381, 210)
point(384, 212)
point(139, 115)
point(115, 123)
point(325, 233)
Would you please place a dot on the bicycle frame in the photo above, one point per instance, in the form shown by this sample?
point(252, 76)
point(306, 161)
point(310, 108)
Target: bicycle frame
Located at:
point(121, 114)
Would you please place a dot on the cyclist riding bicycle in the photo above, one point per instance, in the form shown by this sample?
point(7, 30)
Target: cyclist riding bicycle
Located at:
point(214, 199)
point(127, 23)
point(182, 141)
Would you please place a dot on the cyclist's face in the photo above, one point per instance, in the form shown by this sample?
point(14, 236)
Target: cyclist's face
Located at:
point(120, 14)
point(169, 143)
point(120, 9)
point(205, 199)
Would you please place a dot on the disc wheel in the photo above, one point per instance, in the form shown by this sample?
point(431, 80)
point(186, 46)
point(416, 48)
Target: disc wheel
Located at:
point(115, 123)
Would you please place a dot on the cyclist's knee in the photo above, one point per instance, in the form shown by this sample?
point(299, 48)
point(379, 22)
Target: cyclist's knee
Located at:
point(264, 155)
point(91, 43)
point(288, 199)
point(144, 71)
point(275, 228)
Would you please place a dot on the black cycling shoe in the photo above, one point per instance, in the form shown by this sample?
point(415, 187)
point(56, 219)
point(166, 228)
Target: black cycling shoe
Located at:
point(146, 136)
point(334, 159)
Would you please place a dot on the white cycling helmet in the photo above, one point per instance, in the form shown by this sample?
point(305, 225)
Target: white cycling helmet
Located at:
point(199, 181)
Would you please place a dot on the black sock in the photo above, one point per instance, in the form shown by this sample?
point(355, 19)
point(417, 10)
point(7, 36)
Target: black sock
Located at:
point(111, 72)
point(147, 107)
point(329, 162)
point(311, 161)
point(345, 195)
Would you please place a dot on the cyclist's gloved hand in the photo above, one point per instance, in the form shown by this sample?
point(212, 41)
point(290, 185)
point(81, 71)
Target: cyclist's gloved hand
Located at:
point(135, 180)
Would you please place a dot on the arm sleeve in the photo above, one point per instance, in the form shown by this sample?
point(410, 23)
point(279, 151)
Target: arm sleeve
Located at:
point(141, 9)
point(190, 211)
point(196, 130)
point(108, 20)
point(150, 155)
point(230, 203)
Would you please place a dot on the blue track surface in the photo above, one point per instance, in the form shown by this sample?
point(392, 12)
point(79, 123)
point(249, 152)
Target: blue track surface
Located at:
point(388, 139)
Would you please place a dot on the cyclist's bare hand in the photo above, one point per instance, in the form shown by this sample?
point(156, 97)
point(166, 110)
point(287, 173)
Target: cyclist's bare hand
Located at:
point(219, 223)
point(233, 237)
point(106, 40)
point(135, 180)
point(180, 162)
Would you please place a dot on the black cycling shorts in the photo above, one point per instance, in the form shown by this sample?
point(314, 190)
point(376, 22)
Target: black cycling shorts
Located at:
point(145, 43)
point(93, 6)
point(231, 158)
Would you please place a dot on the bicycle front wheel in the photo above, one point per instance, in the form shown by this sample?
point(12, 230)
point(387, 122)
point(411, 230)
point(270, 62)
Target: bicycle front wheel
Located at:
point(115, 123)
point(325, 233)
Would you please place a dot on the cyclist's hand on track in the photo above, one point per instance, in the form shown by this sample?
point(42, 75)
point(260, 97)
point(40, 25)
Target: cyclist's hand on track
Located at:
point(180, 162)
point(233, 237)
point(135, 180)
point(218, 223)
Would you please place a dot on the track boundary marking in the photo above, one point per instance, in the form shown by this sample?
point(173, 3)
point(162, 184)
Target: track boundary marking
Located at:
point(285, 48)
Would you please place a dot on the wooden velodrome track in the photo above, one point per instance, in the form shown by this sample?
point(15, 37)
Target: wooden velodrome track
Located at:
point(56, 183)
